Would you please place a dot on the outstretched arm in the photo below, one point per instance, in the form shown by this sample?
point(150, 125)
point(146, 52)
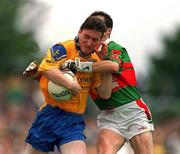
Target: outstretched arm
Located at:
point(105, 66)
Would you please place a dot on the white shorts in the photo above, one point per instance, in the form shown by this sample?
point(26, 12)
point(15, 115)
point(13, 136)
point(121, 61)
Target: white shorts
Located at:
point(127, 120)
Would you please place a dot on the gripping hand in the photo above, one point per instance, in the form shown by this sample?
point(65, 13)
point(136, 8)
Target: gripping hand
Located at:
point(83, 66)
point(69, 65)
point(77, 65)
point(32, 70)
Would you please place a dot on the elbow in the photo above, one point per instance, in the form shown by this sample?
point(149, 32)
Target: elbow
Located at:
point(115, 67)
point(105, 96)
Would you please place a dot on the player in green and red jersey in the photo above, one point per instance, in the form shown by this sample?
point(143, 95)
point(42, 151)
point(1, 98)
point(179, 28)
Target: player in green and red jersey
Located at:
point(124, 116)
point(124, 88)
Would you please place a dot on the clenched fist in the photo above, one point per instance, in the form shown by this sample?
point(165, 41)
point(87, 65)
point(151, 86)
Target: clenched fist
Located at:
point(32, 70)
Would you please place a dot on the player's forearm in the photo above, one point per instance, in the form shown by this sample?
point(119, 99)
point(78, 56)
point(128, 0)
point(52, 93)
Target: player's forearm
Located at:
point(105, 89)
point(57, 76)
point(105, 66)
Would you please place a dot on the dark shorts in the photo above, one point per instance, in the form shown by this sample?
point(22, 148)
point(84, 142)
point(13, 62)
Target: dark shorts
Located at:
point(54, 127)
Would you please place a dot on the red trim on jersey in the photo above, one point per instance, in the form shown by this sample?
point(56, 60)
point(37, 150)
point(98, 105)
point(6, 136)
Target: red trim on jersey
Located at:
point(143, 106)
point(127, 65)
point(127, 77)
point(116, 51)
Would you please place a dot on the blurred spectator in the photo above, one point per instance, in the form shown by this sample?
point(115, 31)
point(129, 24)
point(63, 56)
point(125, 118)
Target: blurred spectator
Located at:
point(173, 137)
point(159, 140)
point(15, 92)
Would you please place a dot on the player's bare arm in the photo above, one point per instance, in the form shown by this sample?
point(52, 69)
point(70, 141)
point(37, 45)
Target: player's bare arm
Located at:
point(105, 89)
point(59, 78)
point(105, 66)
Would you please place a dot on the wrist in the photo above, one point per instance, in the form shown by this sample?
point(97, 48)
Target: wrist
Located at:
point(86, 67)
point(83, 66)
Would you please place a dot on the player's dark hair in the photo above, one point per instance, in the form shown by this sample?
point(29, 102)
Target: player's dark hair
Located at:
point(94, 23)
point(107, 18)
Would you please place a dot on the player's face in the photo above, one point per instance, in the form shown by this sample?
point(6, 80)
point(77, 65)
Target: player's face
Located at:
point(102, 48)
point(88, 40)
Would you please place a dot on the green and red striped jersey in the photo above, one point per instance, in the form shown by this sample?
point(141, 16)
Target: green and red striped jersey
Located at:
point(124, 88)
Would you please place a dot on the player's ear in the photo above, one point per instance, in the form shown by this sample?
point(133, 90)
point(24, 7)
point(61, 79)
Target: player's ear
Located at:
point(79, 32)
point(109, 30)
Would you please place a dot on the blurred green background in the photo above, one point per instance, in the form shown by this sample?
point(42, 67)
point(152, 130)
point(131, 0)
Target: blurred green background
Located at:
point(20, 97)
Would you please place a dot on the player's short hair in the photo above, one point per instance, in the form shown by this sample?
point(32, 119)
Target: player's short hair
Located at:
point(94, 23)
point(107, 18)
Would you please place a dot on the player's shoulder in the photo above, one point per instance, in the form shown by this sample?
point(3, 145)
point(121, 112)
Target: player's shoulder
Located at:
point(60, 50)
point(115, 46)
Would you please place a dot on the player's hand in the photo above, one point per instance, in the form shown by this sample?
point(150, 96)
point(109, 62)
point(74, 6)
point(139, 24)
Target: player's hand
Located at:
point(83, 66)
point(77, 65)
point(76, 87)
point(32, 69)
point(69, 65)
